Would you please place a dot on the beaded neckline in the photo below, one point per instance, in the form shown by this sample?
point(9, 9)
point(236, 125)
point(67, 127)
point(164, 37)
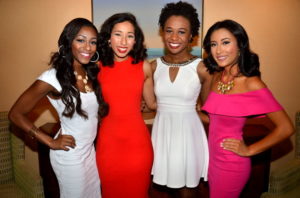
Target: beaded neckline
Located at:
point(178, 64)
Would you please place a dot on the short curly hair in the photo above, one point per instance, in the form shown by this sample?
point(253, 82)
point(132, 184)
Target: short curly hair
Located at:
point(183, 9)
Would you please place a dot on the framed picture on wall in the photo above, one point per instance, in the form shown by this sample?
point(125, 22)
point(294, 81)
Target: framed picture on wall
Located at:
point(147, 14)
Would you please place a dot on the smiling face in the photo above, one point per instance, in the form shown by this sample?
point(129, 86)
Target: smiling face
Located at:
point(177, 35)
point(122, 40)
point(224, 48)
point(84, 45)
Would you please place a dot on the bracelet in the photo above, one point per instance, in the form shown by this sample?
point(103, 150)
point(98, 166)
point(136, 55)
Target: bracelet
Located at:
point(33, 131)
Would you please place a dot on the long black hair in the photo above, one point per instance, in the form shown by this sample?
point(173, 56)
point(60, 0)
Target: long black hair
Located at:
point(62, 61)
point(248, 61)
point(138, 53)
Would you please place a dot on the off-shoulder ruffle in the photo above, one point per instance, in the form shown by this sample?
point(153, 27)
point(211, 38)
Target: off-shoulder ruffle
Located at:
point(251, 103)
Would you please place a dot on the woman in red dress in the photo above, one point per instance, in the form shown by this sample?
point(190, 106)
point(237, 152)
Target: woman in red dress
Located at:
point(124, 151)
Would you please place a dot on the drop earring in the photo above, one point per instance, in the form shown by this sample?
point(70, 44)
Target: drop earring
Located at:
point(94, 61)
point(60, 48)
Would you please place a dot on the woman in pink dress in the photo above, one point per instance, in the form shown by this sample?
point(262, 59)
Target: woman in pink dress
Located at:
point(236, 93)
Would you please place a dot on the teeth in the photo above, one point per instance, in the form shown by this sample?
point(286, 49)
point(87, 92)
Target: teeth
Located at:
point(122, 49)
point(221, 58)
point(174, 44)
point(84, 54)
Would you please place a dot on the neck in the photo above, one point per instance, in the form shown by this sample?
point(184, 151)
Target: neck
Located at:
point(120, 59)
point(231, 71)
point(177, 58)
point(77, 67)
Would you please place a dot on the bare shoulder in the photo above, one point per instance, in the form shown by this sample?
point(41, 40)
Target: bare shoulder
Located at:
point(146, 64)
point(147, 68)
point(153, 65)
point(254, 83)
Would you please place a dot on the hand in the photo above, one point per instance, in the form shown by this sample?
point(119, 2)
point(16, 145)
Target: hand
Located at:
point(237, 146)
point(143, 106)
point(62, 142)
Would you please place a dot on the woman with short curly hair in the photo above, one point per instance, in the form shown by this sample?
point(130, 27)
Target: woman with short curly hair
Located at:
point(178, 136)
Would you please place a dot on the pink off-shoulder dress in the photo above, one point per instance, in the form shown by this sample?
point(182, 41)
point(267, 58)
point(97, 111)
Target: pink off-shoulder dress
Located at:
point(228, 172)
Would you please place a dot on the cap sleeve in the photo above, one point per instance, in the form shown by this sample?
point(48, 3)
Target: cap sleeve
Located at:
point(49, 76)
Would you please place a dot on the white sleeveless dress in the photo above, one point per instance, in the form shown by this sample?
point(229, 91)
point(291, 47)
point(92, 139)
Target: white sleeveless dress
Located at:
point(76, 169)
point(178, 137)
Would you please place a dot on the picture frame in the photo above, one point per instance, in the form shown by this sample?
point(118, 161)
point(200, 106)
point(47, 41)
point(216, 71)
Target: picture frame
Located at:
point(147, 14)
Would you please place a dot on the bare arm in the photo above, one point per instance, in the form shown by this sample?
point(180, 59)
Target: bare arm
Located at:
point(148, 89)
point(25, 104)
point(204, 117)
point(283, 129)
point(205, 79)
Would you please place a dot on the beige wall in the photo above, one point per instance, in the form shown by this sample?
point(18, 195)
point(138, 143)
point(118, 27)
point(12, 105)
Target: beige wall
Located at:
point(29, 32)
point(273, 27)
point(30, 29)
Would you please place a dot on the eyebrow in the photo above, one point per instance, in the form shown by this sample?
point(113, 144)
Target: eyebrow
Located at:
point(86, 36)
point(122, 31)
point(225, 39)
point(221, 39)
point(182, 28)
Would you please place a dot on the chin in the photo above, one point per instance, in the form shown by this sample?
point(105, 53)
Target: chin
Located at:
point(122, 56)
point(174, 51)
point(85, 62)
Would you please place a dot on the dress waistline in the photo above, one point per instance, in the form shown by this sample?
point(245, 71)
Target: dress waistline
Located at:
point(175, 108)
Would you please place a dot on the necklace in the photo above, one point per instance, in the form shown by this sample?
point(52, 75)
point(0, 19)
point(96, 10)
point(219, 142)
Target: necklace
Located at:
point(84, 80)
point(178, 64)
point(224, 87)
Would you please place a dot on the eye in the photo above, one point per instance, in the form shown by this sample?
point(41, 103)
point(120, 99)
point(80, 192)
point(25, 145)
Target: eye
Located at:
point(168, 31)
point(80, 40)
point(117, 34)
point(181, 32)
point(213, 44)
point(131, 36)
point(94, 42)
point(226, 42)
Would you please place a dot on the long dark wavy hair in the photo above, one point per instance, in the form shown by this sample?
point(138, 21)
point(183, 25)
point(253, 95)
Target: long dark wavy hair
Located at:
point(138, 53)
point(62, 61)
point(248, 61)
point(183, 9)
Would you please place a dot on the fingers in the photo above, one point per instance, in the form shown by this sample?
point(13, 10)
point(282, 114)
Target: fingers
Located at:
point(68, 140)
point(65, 148)
point(236, 146)
point(230, 142)
point(64, 142)
point(231, 145)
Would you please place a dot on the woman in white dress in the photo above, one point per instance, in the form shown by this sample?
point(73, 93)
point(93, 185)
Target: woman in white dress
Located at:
point(178, 137)
point(71, 87)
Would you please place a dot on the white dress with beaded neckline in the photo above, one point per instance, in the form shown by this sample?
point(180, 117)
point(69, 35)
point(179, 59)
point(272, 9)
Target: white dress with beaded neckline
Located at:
point(178, 136)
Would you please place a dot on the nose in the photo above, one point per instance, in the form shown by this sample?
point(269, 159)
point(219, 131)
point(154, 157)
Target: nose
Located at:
point(174, 36)
point(88, 46)
point(219, 49)
point(123, 40)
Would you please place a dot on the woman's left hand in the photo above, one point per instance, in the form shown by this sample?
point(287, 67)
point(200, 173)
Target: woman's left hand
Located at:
point(237, 146)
